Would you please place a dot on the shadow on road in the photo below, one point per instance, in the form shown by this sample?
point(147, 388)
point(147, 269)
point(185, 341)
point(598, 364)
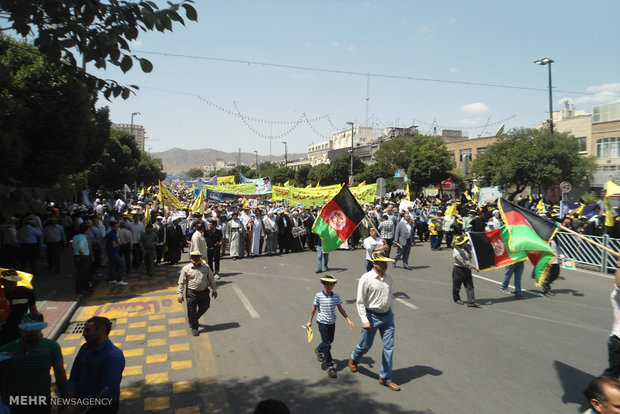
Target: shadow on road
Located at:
point(573, 382)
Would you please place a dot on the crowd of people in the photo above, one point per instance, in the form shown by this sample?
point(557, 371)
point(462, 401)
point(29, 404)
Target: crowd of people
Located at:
point(112, 235)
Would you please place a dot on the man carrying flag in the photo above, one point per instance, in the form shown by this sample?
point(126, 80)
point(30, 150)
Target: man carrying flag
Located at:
point(338, 219)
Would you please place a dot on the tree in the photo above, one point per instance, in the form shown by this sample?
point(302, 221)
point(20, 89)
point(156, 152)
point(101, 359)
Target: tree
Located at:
point(100, 31)
point(49, 126)
point(123, 163)
point(321, 174)
point(374, 171)
point(532, 157)
point(341, 167)
point(430, 161)
point(282, 175)
point(194, 173)
point(301, 175)
point(395, 154)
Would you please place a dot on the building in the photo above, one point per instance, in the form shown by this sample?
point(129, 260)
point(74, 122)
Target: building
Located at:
point(463, 150)
point(137, 131)
point(317, 153)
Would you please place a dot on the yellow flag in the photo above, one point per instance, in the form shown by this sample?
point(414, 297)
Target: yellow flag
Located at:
point(531, 201)
point(408, 192)
point(26, 278)
point(147, 214)
point(318, 183)
point(286, 184)
point(309, 185)
point(244, 203)
point(364, 183)
point(475, 190)
point(199, 206)
point(168, 199)
point(540, 207)
point(467, 196)
point(451, 211)
point(612, 188)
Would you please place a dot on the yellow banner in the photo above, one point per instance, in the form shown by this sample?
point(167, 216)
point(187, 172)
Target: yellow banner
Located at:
point(309, 197)
point(248, 188)
point(168, 199)
point(227, 179)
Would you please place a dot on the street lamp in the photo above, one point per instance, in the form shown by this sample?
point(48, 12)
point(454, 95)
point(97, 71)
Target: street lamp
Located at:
point(285, 155)
point(257, 168)
point(131, 128)
point(351, 123)
point(543, 62)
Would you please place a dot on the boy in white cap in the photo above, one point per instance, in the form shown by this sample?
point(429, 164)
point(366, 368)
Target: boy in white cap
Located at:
point(326, 302)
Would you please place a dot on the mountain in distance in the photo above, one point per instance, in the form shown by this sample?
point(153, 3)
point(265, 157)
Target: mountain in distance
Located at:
point(177, 160)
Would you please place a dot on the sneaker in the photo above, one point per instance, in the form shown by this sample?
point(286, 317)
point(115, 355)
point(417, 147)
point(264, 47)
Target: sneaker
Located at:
point(505, 291)
point(519, 295)
point(217, 276)
point(331, 371)
point(319, 356)
point(122, 283)
point(112, 282)
point(195, 332)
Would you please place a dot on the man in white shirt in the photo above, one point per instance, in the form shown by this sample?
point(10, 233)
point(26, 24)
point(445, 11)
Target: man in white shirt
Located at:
point(374, 306)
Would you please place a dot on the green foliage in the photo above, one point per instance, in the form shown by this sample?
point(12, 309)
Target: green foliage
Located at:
point(341, 167)
point(430, 161)
point(49, 126)
point(321, 174)
point(301, 176)
point(194, 173)
point(96, 30)
point(591, 197)
point(123, 163)
point(395, 154)
point(532, 157)
point(282, 175)
point(374, 171)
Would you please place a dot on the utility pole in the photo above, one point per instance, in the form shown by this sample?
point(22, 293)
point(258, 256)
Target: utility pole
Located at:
point(285, 155)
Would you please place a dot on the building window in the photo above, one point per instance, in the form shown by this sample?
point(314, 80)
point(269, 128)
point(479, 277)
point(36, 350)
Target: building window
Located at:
point(465, 154)
point(452, 155)
point(481, 150)
point(608, 148)
point(582, 142)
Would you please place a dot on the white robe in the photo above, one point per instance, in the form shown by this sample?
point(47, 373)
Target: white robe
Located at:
point(257, 234)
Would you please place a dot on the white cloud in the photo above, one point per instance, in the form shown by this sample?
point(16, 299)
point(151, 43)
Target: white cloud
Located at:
point(335, 43)
point(135, 44)
point(469, 121)
point(474, 108)
point(598, 94)
point(453, 70)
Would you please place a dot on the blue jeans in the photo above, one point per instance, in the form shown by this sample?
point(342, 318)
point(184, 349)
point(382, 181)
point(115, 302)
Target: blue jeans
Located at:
point(435, 241)
point(517, 269)
point(321, 258)
point(116, 267)
point(368, 265)
point(327, 337)
point(385, 325)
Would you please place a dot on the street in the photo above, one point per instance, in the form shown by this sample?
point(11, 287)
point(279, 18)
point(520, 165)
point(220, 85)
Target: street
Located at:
point(528, 355)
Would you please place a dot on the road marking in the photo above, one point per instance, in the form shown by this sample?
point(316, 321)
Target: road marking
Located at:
point(592, 328)
point(407, 304)
point(246, 302)
point(511, 286)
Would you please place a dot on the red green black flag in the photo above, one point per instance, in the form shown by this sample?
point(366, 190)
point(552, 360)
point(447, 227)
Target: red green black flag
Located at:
point(338, 219)
point(490, 249)
point(531, 234)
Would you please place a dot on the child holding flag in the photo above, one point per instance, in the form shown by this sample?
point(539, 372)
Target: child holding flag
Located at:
point(326, 302)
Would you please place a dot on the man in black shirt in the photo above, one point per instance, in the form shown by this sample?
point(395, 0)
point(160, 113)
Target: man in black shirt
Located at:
point(213, 237)
point(20, 299)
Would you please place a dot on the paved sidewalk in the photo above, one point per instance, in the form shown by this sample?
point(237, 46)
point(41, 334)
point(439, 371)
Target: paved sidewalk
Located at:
point(167, 369)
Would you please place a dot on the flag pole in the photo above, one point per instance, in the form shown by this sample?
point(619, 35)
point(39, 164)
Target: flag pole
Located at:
point(614, 253)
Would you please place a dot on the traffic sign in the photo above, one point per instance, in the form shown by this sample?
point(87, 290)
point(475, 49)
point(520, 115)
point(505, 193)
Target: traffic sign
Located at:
point(565, 186)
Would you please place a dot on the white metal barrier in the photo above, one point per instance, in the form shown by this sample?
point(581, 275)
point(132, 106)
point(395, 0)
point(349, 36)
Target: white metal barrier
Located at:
point(588, 254)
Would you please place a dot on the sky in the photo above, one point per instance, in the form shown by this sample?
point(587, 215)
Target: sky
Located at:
point(254, 74)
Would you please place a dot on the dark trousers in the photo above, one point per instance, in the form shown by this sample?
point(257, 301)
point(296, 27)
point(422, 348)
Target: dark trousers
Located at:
point(149, 261)
point(29, 253)
point(554, 273)
point(311, 240)
point(159, 249)
point(82, 267)
point(53, 255)
point(198, 301)
point(327, 337)
point(125, 251)
point(137, 255)
point(462, 276)
point(449, 237)
point(422, 229)
point(389, 249)
point(213, 258)
point(613, 348)
point(284, 242)
point(116, 267)
point(403, 254)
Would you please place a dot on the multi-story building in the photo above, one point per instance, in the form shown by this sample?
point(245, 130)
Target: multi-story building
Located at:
point(606, 143)
point(137, 131)
point(317, 153)
point(463, 150)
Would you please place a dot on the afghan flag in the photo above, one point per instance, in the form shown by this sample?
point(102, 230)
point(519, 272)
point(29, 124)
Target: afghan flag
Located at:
point(338, 219)
point(490, 249)
point(531, 234)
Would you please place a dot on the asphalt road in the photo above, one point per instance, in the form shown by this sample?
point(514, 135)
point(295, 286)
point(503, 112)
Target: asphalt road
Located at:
point(530, 355)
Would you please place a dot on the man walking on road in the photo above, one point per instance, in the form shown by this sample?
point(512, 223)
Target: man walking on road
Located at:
point(374, 305)
point(193, 282)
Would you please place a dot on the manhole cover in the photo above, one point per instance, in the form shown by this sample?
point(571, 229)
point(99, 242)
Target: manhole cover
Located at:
point(77, 327)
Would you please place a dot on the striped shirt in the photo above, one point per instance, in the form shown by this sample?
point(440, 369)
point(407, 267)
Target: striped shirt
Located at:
point(326, 307)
